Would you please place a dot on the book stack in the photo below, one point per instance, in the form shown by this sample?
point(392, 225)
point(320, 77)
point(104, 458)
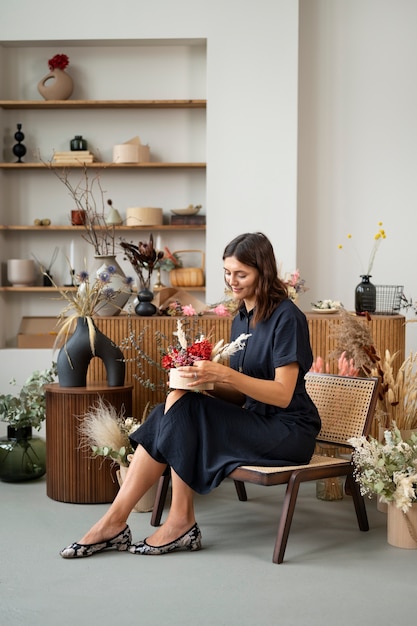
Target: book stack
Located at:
point(188, 219)
point(72, 157)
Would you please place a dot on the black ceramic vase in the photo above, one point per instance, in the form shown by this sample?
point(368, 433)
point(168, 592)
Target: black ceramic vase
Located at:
point(22, 456)
point(145, 308)
point(365, 296)
point(75, 356)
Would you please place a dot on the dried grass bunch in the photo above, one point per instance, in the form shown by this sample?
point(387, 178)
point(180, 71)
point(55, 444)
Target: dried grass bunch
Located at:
point(354, 338)
point(397, 402)
point(106, 432)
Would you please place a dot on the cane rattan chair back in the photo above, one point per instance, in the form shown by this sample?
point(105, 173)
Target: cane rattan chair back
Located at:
point(346, 406)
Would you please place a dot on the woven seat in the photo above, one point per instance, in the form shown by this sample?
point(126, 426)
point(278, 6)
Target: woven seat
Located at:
point(346, 406)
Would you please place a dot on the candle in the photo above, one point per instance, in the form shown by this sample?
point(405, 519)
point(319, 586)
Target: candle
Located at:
point(72, 255)
point(158, 243)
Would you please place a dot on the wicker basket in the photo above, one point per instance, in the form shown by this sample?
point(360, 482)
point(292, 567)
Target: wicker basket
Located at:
point(188, 276)
point(388, 299)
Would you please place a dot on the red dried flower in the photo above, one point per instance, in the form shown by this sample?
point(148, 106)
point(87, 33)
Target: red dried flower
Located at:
point(201, 350)
point(59, 61)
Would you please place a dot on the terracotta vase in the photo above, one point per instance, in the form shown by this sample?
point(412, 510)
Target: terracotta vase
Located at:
point(57, 85)
point(402, 527)
point(146, 502)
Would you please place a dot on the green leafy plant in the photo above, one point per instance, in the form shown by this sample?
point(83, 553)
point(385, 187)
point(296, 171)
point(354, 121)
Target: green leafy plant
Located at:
point(28, 406)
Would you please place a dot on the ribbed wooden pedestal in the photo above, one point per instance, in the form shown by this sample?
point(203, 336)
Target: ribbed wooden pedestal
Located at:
point(71, 474)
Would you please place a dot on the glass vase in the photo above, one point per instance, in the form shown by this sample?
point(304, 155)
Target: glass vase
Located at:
point(365, 296)
point(22, 456)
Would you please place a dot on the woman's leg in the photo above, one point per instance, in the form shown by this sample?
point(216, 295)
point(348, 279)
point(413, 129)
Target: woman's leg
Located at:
point(143, 472)
point(181, 514)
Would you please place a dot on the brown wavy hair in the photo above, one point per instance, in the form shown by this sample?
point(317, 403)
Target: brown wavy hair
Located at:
point(255, 250)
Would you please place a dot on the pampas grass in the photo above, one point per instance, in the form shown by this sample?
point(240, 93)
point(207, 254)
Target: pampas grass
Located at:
point(106, 432)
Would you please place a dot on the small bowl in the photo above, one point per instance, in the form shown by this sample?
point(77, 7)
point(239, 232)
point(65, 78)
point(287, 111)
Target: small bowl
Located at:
point(190, 210)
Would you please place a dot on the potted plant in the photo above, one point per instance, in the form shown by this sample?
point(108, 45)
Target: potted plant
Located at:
point(388, 469)
point(22, 456)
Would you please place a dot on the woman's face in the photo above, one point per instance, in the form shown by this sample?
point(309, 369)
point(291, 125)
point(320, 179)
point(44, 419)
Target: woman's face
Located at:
point(242, 280)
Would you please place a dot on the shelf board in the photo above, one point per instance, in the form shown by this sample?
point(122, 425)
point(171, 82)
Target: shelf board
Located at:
point(38, 289)
point(69, 228)
point(103, 104)
point(101, 165)
point(68, 288)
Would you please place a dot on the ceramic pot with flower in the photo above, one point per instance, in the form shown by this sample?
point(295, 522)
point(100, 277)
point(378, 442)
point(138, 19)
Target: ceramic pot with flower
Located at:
point(57, 85)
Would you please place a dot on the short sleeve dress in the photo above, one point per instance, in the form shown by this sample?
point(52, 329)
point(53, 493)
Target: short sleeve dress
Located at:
point(203, 438)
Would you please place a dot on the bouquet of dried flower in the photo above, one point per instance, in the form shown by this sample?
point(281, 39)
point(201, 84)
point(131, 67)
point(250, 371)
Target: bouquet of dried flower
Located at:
point(107, 432)
point(387, 469)
point(397, 402)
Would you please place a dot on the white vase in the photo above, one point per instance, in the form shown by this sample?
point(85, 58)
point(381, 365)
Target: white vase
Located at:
point(117, 283)
point(21, 272)
point(146, 502)
point(176, 381)
point(402, 527)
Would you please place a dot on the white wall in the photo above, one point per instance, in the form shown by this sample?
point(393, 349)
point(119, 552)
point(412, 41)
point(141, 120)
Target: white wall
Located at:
point(252, 57)
point(357, 145)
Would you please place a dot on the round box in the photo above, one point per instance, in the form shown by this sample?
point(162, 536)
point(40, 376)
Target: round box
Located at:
point(143, 216)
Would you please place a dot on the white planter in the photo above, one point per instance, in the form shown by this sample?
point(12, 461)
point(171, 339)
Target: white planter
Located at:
point(146, 502)
point(21, 272)
point(176, 381)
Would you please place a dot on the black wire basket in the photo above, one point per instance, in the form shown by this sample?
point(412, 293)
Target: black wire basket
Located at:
point(388, 299)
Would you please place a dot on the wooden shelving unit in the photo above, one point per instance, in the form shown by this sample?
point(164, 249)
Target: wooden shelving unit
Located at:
point(56, 228)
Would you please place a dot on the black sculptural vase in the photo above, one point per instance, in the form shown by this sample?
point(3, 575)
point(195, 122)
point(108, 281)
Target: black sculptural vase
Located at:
point(365, 296)
point(145, 308)
point(75, 356)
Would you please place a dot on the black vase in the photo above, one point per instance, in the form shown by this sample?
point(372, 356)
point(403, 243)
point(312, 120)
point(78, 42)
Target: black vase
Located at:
point(22, 456)
point(75, 356)
point(365, 296)
point(145, 308)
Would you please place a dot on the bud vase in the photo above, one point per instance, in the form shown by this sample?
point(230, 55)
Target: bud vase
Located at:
point(365, 296)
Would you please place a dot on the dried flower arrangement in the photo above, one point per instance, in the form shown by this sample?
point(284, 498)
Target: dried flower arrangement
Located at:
point(200, 348)
point(87, 300)
point(378, 237)
point(354, 338)
point(143, 258)
point(106, 432)
point(59, 61)
point(387, 469)
point(397, 402)
point(97, 231)
point(295, 284)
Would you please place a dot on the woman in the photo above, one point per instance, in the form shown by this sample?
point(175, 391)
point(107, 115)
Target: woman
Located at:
point(258, 414)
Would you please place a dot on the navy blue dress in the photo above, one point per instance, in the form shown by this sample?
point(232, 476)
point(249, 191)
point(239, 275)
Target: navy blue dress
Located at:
point(203, 438)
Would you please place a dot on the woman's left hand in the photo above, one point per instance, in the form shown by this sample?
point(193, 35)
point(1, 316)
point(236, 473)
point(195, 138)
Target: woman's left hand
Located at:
point(203, 372)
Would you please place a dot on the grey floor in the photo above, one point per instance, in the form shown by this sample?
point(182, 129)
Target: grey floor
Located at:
point(333, 573)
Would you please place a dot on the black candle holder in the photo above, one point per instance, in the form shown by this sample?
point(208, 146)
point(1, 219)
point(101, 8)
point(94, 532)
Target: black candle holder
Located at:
point(19, 150)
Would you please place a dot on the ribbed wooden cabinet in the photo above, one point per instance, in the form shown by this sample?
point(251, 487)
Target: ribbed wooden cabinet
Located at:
point(388, 332)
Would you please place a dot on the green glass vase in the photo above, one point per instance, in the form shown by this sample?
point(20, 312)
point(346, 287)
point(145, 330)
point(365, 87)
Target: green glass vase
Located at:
point(22, 456)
